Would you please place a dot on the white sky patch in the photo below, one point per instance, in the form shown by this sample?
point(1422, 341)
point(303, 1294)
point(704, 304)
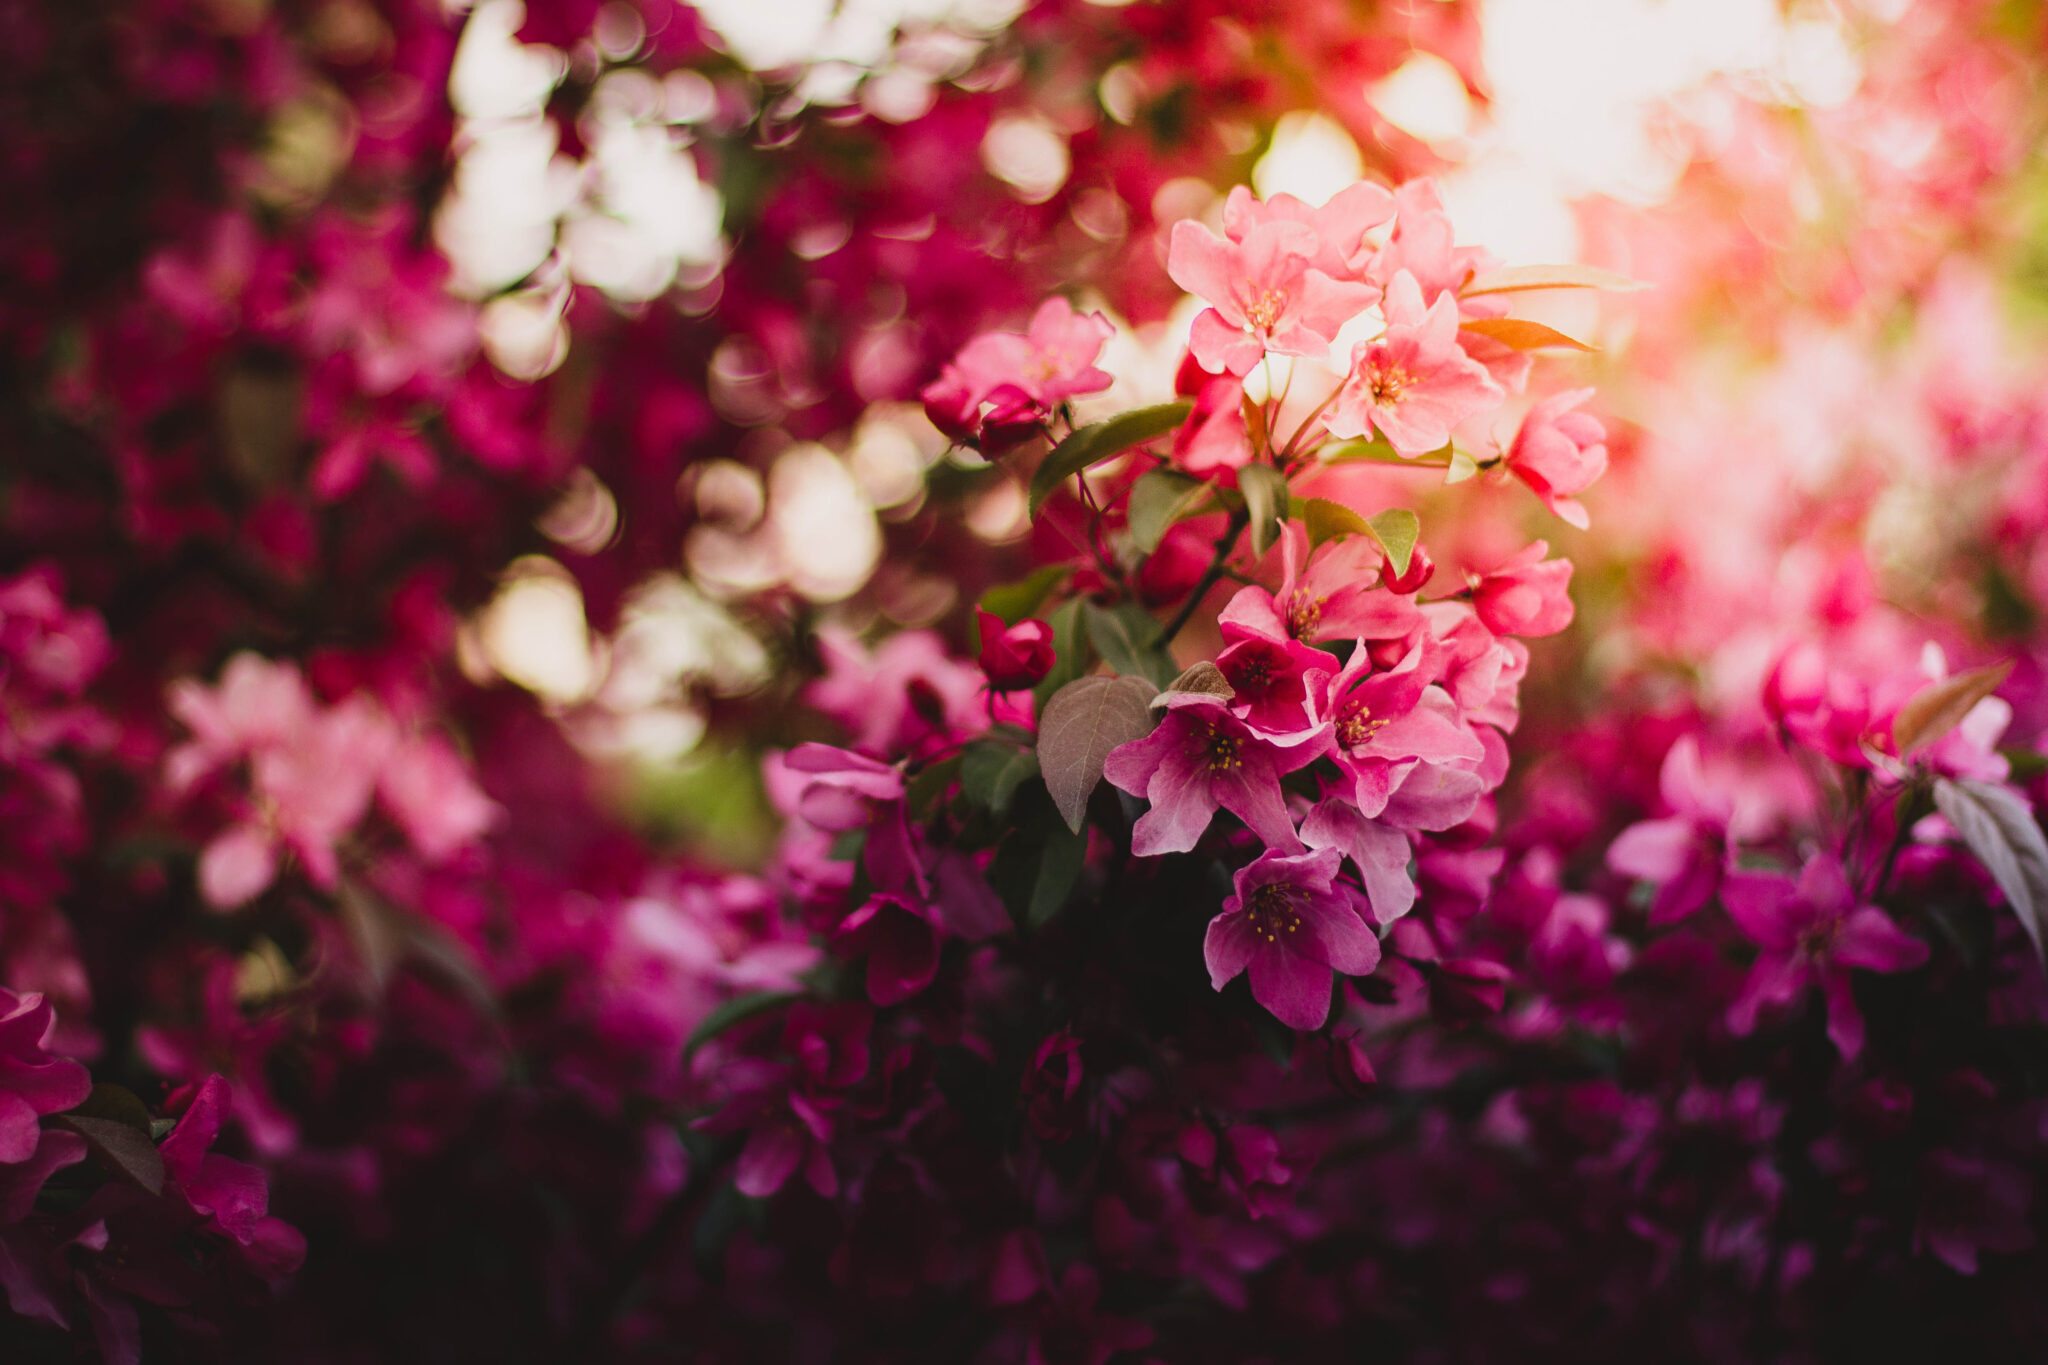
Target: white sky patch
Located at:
point(773, 35)
point(1311, 158)
point(1576, 83)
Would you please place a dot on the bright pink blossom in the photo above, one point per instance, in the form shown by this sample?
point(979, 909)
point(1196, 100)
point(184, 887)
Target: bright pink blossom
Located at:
point(1004, 379)
point(1288, 924)
point(1559, 452)
point(1333, 597)
point(1201, 757)
point(1340, 224)
point(1377, 848)
point(1424, 244)
point(1528, 595)
point(1387, 722)
point(1264, 296)
point(1415, 384)
point(1685, 853)
point(1213, 439)
point(32, 1082)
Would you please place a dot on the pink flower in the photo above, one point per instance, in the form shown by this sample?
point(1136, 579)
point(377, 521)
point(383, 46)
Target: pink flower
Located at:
point(1274, 674)
point(1340, 225)
point(1004, 379)
point(1263, 294)
point(1527, 595)
point(1423, 244)
point(1415, 384)
point(841, 789)
point(428, 791)
point(1377, 848)
point(1684, 853)
point(786, 1133)
point(231, 1195)
point(1201, 757)
point(901, 944)
point(1559, 452)
point(32, 1082)
point(908, 695)
point(1467, 988)
point(1811, 933)
point(1213, 439)
point(1014, 657)
point(1289, 925)
point(1333, 599)
point(1387, 722)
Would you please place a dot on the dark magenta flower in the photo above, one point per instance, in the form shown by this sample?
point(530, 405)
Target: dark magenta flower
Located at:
point(901, 944)
point(1014, 657)
point(1812, 932)
point(1201, 757)
point(1052, 1088)
point(1684, 853)
point(1465, 988)
point(1289, 925)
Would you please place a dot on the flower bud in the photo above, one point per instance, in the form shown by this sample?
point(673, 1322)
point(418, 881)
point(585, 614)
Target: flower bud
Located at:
point(1014, 657)
point(1465, 988)
point(1420, 569)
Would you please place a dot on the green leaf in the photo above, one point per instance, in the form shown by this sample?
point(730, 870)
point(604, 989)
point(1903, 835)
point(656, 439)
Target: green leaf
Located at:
point(737, 1010)
point(1999, 827)
point(1463, 467)
point(1088, 718)
point(991, 771)
point(1015, 601)
point(1521, 334)
point(119, 1148)
point(1265, 493)
point(1059, 868)
point(1098, 441)
point(1938, 708)
point(1397, 530)
point(115, 1102)
point(1127, 638)
point(929, 784)
point(1327, 520)
point(1520, 277)
point(1038, 861)
point(1158, 500)
point(1072, 654)
point(1362, 452)
point(1204, 678)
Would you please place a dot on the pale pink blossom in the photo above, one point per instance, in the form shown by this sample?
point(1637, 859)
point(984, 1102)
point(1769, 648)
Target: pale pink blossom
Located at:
point(1415, 384)
point(1559, 452)
point(1263, 294)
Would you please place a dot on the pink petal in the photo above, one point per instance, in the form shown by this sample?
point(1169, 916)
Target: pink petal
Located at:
point(1868, 938)
point(1294, 988)
point(237, 866)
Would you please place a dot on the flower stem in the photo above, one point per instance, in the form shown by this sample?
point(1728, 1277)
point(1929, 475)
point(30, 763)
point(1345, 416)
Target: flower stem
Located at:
point(1210, 576)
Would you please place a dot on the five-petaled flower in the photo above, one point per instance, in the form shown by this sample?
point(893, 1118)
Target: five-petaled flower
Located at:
point(1415, 383)
point(1289, 924)
point(1812, 933)
point(1201, 757)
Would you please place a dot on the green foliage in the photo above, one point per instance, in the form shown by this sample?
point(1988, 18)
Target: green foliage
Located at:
point(1158, 500)
point(1265, 495)
point(1098, 441)
point(1127, 638)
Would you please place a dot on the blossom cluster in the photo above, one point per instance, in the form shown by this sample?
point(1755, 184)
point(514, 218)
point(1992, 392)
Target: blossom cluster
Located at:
point(663, 696)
